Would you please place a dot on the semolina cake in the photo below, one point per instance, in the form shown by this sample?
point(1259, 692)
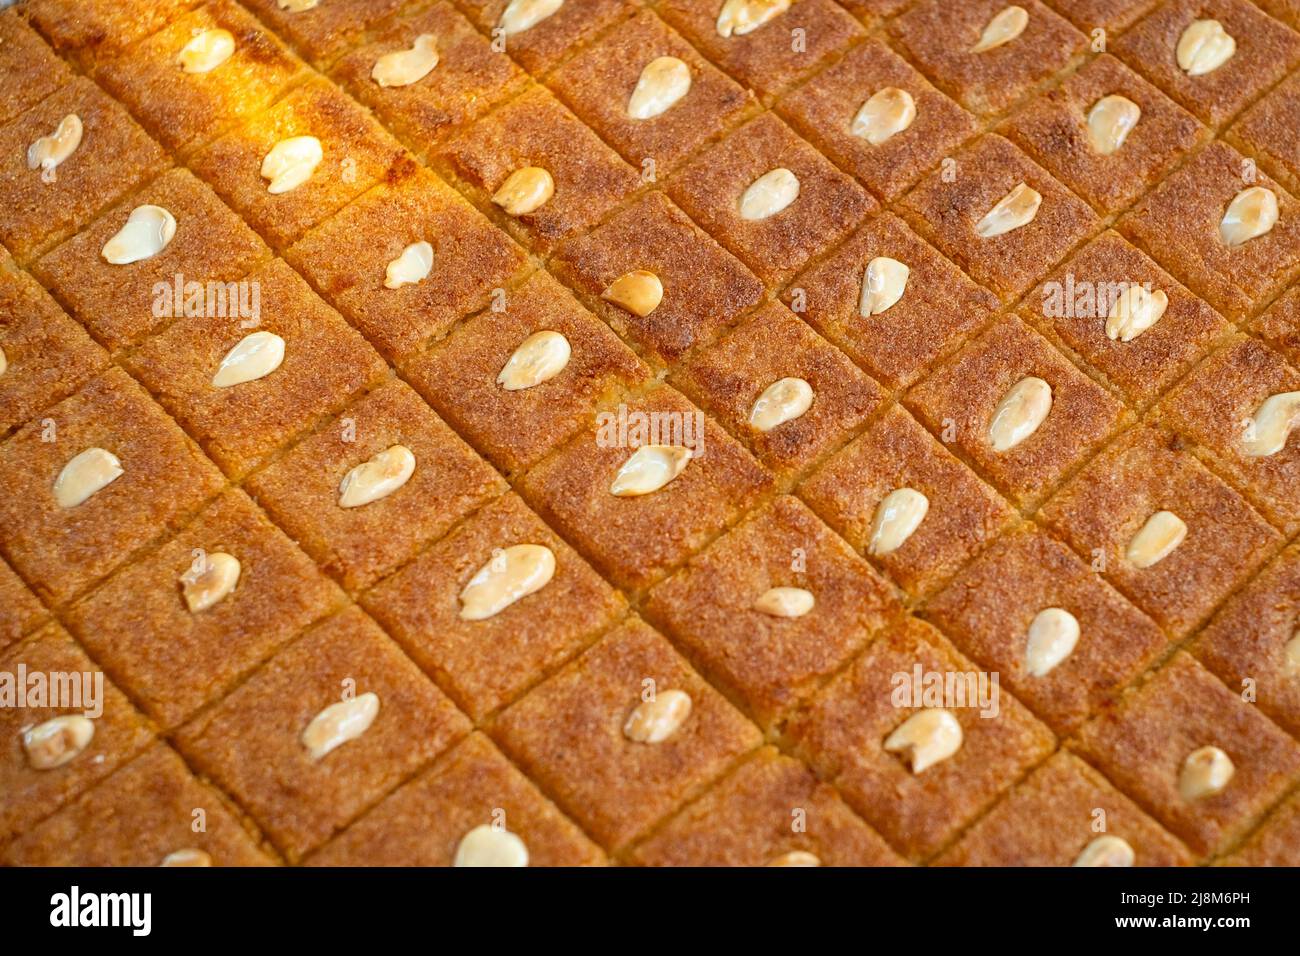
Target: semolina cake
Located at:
point(650, 433)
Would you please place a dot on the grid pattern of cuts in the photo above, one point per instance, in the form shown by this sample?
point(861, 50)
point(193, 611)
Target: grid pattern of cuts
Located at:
point(1026, 273)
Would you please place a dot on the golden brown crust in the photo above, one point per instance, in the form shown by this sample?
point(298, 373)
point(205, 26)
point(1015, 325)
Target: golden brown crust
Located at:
point(568, 735)
point(30, 68)
point(769, 807)
point(250, 743)
point(771, 663)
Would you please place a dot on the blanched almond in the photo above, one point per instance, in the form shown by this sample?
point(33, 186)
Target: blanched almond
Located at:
point(521, 15)
point(377, 478)
point(796, 858)
point(1206, 772)
point(785, 602)
point(203, 587)
point(655, 720)
point(147, 232)
point(887, 113)
point(206, 51)
point(1272, 424)
point(638, 291)
point(1106, 851)
point(883, 284)
point(1204, 47)
point(1133, 312)
point(897, 516)
point(57, 741)
point(486, 845)
point(539, 358)
point(525, 190)
point(255, 356)
point(291, 162)
point(1017, 208)
point(49, 151)
point(1053, 635)
point(404, 67)
point(510, 576)
point(87, 473)
point(4, 362)
point(338, 723)
point(1110, 121)
point(1252, 213)
point(297, 6)
point(1021, 411)
point(411, 267)
point(1291, 654)
point(769, 194)
point(1008, 24)
point(782, 401)
point(187, 857)
point(1156, 539)
point(648, 469)
point(738, 17)
point(926, 738)
point(663, 82)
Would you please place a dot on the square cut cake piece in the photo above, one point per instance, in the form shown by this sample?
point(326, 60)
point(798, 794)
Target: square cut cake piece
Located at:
point(705, 288)
point(772, 650)
point(934, 307)
point(177, 633)
point(66, 189)
point(368, 490)
point(186, 89)
point(534, 139)
point(468, 79)
point(540, 36)
point(973, 51)
point(322, 732)
point(105, 472)
point(1065, 813)
point(47, 355)
point(1251, 642)
point(967, 753)
point(1063, 640)
point(245, 387)
point(601, 85)
point(1235, 267)
point(56, 750)
point(121, 302)
point(30, 68)
point(440, 819)
point(1166, 532)
point(1237, 407)
point(790, 395)
point(500, 580)
point(1195, 755)
point(333, 152)
point(772, 811)
point(1057, 130)
point(323, 30)
point(1270, 131)
point(886, 160)
point(350, 255)
point(990, 401)
point(624, 734)
point(20, 610)
point(1215, 89)
point(654, 480)
point(1276, 843)
point(786, 42)
point(897, 495)
point(146, 814)
point(1125, 317)
point(770, 198)
point(1000, 216)
point(512, 417)
point(88, 31)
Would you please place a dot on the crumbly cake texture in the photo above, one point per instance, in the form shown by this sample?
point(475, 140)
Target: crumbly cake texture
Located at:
point(548, 718)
